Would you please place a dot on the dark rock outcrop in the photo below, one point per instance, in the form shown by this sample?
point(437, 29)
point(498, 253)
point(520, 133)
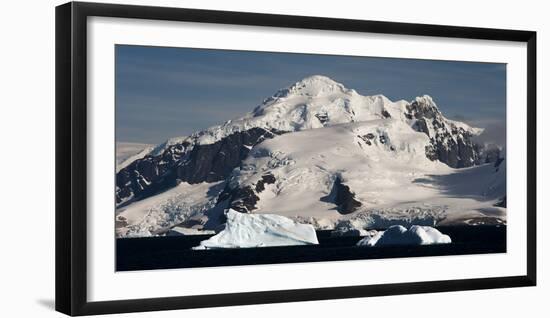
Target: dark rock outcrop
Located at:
point(240, 199)
point(187, 162)
point(367, 138)
point(244, 199)
point(266, 179)
point(492, 153)
point(502, 202)
point(323, 117)
point(342, 197)
point(498, 162)
point(449, 143)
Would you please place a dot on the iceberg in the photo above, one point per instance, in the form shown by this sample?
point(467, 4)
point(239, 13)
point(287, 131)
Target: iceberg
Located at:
point(399, 235)
point(182, 231)
point(260, 230)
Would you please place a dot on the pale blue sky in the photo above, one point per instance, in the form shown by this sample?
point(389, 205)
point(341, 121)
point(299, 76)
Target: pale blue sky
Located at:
point(166, 92)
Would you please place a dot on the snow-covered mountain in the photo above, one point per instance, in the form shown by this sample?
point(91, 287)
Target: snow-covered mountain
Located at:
point(128, 152)
point(319, 152)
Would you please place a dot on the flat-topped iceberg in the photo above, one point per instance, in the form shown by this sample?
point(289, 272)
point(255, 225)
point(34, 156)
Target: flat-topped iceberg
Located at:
point(399, 235)
point(260, 230)
point(182, 231)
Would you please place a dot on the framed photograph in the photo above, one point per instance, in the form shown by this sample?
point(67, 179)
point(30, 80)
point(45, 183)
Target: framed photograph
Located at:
point(254, 158)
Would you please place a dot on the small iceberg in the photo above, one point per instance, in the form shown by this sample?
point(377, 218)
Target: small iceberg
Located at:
point(399, 235)
point(260, 230)
point(183, 231)
point(348, 228)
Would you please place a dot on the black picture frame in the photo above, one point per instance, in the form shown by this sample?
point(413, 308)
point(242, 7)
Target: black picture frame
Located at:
point(71, 157)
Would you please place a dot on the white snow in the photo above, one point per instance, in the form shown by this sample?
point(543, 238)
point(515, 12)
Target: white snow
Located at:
point(306, 163)
point(253, 230)
point(399, 235)
point(394, 181)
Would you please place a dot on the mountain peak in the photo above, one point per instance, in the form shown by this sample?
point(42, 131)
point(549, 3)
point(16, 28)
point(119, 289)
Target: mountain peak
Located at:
point(313, 86)
point(317, 80)
point(316, 85)
point(425, 99)
point(424, 106)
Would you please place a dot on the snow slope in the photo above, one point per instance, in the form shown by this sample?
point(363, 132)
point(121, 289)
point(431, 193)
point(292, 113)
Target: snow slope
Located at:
point(306, 163)
point(252, 230)
point(392, 180)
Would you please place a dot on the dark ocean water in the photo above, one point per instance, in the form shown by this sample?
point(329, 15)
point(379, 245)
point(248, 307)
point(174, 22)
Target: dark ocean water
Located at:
point(175, 251)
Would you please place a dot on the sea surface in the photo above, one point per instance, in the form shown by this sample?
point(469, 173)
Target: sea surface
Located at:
point(167, 252)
